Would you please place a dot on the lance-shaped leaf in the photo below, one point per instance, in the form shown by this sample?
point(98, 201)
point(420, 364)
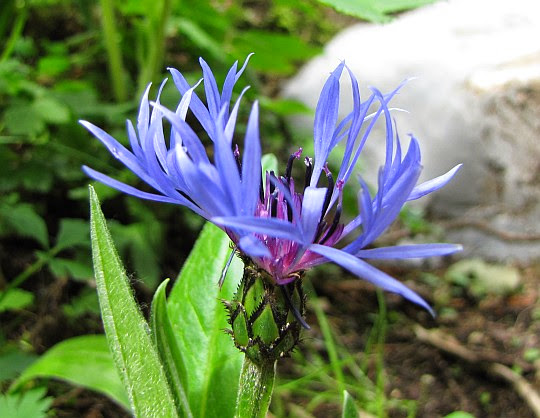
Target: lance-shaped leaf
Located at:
point(171, 358)
point(198, 318)
point(127, 332)
point(349, 408)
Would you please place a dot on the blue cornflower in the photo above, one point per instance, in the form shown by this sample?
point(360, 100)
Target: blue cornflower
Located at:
point(284, 230)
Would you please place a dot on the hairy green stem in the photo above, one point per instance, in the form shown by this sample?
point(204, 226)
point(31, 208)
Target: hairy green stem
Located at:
point(114, 53)
point(256, 386)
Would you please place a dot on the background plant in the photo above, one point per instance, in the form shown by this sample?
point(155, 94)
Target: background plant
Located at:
point(63, 60)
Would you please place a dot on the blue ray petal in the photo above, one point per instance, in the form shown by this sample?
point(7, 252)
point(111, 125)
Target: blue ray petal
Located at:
point(410, 251)
point(369, 273)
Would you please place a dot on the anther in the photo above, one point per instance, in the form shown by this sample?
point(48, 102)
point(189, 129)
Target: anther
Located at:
point(295, 156)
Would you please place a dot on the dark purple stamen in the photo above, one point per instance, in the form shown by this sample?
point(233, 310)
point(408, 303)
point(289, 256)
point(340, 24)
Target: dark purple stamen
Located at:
point(329, 191)
point(272, 185)
point(309, 170)
point(236, 154)
point(334, 225)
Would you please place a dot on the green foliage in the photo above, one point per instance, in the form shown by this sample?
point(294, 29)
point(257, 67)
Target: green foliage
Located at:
point(349, 407)
point(327, 369)
point(15, 299)
point(374, 10)
point(459, 414)
point(54, 62)
point(30, 404)
point(169, 352)
point(127, 332)
point(198, 319)
point(13, 361)
point(84, 361)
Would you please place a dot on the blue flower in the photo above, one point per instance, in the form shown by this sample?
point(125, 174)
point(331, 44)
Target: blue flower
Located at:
point(283, 228)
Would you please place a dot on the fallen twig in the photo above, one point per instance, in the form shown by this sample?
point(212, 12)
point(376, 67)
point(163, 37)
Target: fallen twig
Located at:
point(450, 345)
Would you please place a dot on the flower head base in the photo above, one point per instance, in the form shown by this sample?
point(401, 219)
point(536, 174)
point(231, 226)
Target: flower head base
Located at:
point(282, 228)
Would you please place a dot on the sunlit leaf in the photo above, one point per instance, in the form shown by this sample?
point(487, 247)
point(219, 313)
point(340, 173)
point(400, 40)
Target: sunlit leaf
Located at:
point(83, 361)
point(15, 299)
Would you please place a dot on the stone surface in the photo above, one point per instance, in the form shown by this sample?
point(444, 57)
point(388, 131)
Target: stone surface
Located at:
point(475, 99)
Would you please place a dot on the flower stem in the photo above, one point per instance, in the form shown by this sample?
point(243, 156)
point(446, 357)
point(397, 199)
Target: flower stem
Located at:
point(256, 386)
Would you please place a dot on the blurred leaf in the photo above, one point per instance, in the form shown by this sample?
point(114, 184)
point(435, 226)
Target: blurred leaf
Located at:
point(531, 354)
point(13, 361)
point(78, 270)
point(23, 219)
point(165, 341)
point(349, 407)
point(459, 414)
point(198, 318)
point(285, 107)
point(86, 302)
point(53, 65)
point(30, 404)
point(269, 162)
point(84, 361)
point(134, 240)
point(198, 36)
point(23, 119)
point(72, 232)
point(392, 6)
point(15, 299)
point(127, 331)
point(363, 9)
point(374, 10)
point(292, 51)
point(51, 110)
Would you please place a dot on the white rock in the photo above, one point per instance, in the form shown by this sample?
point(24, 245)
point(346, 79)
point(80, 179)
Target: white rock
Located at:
point(476, 100)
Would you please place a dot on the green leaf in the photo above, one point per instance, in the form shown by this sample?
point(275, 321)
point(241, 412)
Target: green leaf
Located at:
point(30, 404)
point(13, 361)
point(269, 162)
point(51, 66)
point(374, 10)
point(392, 6)
point(86, 302)
point(23, 119)
point(127, 332)
point(165, 341)
point(51, 110)
point(459, 414)
point(15, 299)
point(72, 232)
point(198, 319)
point(363, 9)
point(192, 31)
point(83, 361)
point(292, 51)
point(78, 270)
point(349, 407)
point(23, 219)
point(285, 107)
